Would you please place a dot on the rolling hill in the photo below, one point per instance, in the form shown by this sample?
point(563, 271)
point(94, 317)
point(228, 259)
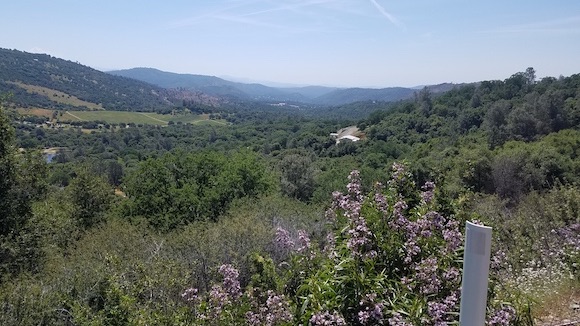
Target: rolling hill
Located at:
point(220, 87)
point(43, 81)
point(317, 95)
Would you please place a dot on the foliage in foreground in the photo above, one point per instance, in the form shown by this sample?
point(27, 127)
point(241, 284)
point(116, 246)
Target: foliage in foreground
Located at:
point(389, 259)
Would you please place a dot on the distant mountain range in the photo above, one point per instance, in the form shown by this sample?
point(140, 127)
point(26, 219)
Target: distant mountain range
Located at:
point(43, 81)
point(316, 95)
point(216, 86)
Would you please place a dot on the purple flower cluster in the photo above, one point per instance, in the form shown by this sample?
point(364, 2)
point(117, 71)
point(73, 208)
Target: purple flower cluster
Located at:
point(451, 275)
point(398, 320)
point(330, 247)
point(428, 192)
point(381, 202)
point(422, 247)
point(427, 276)
point(303, 241)
point(399, 220)
point(498, 260)
point(325, 318)
point(218, 300)
point(359, 235)
point(354, 186)
point(439, 310)
point(287, 243)
point(283, 239)
point(452, 235)
point(190, 295)
point(230, 284)
point(372, 312)
point(360, 239)
point(426, 226)
point(274, 312)
point(221, 296)
point(398, 173)
point(501, 317)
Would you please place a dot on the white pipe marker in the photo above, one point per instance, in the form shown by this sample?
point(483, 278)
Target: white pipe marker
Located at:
point(475, 275)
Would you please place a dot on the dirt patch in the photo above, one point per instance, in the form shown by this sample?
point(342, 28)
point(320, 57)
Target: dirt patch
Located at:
point(120, 193)
point(561, 309)
point(58, 96)
point(36, 112)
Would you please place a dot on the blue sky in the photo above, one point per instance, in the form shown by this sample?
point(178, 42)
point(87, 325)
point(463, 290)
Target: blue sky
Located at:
point(365, 43)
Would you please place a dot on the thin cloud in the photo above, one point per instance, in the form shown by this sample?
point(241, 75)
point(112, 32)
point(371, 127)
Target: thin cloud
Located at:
point(235, 12)
point(246, 21)
point(196, 19)
point(261, 13)
point(292, 7)
point(385, 13)
point(562, 26)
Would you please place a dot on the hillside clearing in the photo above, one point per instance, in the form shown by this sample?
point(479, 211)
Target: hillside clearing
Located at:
point(123, 117)
point(58, 96)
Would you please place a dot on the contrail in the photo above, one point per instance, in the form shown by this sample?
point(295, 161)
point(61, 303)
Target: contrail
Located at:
point(384, 12)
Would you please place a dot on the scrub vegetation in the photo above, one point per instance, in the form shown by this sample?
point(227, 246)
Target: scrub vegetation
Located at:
point(266, 220)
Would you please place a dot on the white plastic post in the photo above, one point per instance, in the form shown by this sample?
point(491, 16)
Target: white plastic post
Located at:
point(475, 275)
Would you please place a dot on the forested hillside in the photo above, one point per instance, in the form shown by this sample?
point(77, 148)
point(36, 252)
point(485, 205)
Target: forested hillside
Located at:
point(212, 85)
point(268, 220)
point(22, 73)
point(309, 95)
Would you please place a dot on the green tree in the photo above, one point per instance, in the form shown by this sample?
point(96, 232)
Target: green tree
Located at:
point(181, 188)
point(298, 177)
point(91, 197)
point(21, 182)
point(8, 220)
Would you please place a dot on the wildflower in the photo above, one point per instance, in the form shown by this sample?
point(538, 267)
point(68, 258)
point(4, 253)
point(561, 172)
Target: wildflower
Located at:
point(326, 318)
point(231, 285)
point(398, 171)
point(436, 220)
point(498, 258)
point(381, 202)
point(372, 312)
point(218, 299)
point(428, 192)
point(330, 246)
point(359, 241)
point(397, 320)
point(278, 309)
point(501, 317)
point(303, 240)
point(190, 294)
point(426, 274)
point(451, 275)
point(283, 239)
point(354, 186)
point(330, 214)
point(452, 235)
point(439, 310)
point(399, 220)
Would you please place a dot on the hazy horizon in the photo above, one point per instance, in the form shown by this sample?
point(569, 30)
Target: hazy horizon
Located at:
point(337, 43)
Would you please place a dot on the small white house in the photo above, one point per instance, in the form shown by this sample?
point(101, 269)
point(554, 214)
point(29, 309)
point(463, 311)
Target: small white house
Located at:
point(349, 137)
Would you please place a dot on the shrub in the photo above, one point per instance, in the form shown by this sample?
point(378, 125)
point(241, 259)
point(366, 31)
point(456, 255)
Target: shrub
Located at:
point(390, 258)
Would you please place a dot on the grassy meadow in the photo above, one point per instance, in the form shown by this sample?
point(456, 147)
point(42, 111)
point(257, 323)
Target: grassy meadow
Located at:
point(115, 117)
point(58, 96)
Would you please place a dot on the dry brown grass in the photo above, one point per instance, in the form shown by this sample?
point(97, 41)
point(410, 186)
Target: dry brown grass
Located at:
point(36, 112)
point(559, 308)
point(58, 96)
